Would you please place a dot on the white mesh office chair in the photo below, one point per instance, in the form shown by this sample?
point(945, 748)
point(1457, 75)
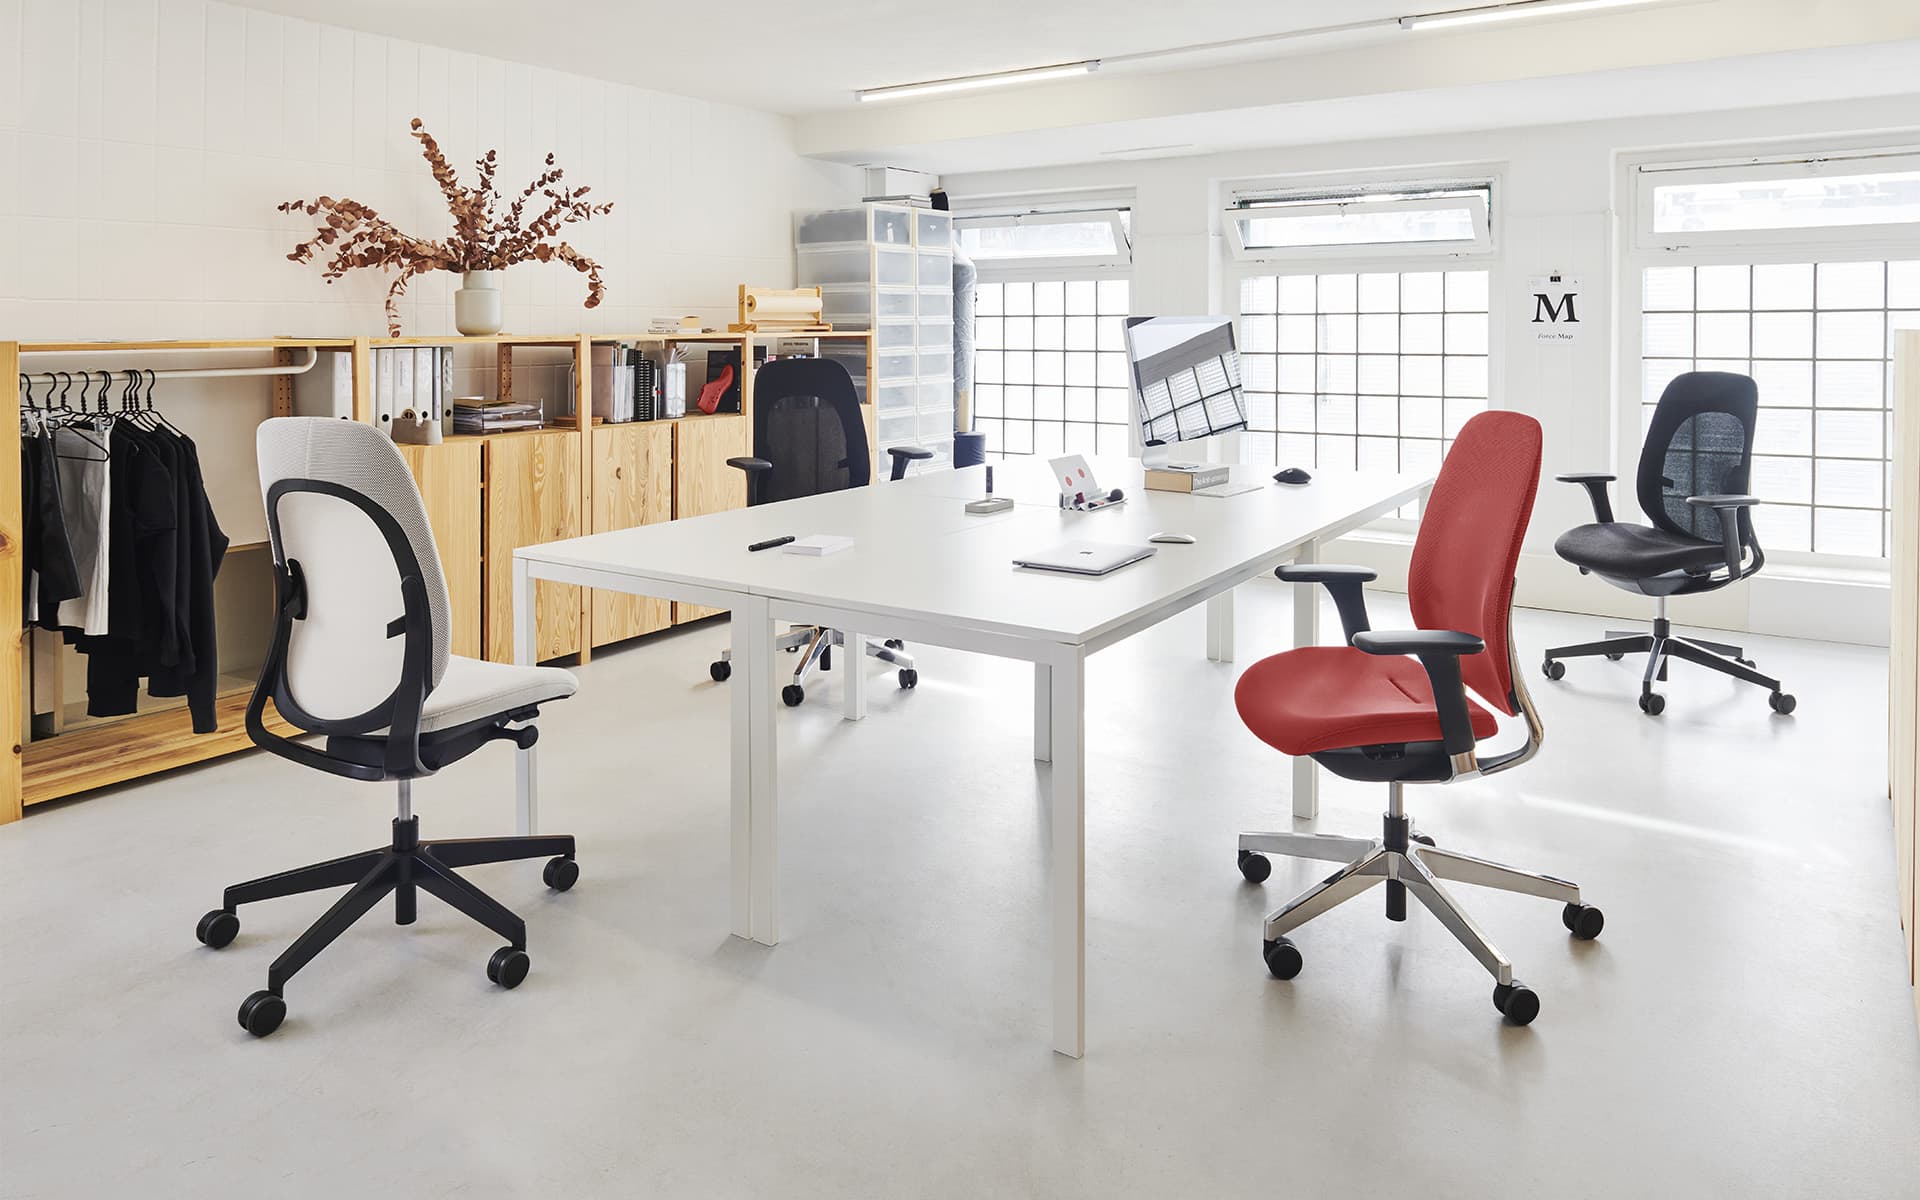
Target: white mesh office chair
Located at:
point(360, 656)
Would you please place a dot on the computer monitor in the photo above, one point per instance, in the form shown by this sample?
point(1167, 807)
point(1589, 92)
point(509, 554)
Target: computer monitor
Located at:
point(1186, 382)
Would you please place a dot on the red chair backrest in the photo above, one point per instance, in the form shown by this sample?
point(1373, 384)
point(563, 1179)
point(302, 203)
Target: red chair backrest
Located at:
point(1461, 576)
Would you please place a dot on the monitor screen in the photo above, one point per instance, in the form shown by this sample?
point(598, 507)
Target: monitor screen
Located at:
point(1186, 376)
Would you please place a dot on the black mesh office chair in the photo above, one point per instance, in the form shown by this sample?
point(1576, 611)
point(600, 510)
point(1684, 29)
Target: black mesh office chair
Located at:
point(809, 437)
point(1694, 474)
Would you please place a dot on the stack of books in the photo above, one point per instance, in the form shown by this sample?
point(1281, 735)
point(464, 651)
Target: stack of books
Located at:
point(473, 414)
point(1186, 477)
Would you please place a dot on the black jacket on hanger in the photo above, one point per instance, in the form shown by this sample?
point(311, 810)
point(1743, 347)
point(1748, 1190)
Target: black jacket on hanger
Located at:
point(47, 552)
point(203, 546)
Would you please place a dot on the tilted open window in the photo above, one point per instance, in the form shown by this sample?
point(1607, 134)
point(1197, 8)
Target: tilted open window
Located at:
point(1404, 221)
point(1047, 240)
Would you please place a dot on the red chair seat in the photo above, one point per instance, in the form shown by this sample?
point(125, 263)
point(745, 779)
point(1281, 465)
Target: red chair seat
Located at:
point(1335, 697)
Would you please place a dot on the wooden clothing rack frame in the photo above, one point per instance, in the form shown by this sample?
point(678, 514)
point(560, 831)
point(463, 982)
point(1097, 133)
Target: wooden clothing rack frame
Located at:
point(121, 749)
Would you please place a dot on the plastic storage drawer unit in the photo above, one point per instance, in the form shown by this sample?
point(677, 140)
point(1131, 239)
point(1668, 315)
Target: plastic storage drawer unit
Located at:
point(853, 226)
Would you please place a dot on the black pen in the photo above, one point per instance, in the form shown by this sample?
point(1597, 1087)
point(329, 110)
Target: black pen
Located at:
point(770, 543)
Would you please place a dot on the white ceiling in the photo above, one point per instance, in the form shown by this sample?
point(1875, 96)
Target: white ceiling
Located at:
point(788, 57)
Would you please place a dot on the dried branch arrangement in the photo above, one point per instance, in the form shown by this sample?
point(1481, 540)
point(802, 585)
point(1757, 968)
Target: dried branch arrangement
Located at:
point(483, 239)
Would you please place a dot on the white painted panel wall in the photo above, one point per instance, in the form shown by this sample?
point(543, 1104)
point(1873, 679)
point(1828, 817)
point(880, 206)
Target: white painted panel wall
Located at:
point(144, 144)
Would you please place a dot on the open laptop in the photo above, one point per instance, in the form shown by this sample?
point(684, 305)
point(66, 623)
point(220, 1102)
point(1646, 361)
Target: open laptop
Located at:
point(1086, 558)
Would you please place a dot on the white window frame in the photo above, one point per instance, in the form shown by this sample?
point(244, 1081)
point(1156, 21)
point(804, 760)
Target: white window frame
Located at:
point(1646, 175)
point(1409, 257)
point(1849, 243)
point(1325, 201)
point(1083, 266)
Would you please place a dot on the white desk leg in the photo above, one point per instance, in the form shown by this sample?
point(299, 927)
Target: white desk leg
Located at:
point(853, 682)
point(526, 776)
point(1220, 627)
point(740, 775)
point(1069, 877)
point(756, 755)
point(1042, 713)
point(1306, 632)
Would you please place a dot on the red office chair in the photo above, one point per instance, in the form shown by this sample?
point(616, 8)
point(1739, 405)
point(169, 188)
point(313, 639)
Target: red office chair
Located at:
point(1366, 711)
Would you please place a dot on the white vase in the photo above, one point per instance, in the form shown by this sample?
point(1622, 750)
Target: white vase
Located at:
point(477, 305)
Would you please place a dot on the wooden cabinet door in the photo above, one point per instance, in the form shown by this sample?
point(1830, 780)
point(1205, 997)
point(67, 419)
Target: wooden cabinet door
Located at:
point(448, 476)
point(632, 485)
point(703, 482)
point(533, 496)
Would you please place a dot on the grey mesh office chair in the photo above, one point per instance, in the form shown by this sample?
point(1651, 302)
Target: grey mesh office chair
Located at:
point(360, 657)
point(1695, 469)
point(809, 437)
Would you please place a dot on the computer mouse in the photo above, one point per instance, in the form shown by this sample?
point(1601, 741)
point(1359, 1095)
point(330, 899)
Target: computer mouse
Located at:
point(1292, 475)
point(1181, 539)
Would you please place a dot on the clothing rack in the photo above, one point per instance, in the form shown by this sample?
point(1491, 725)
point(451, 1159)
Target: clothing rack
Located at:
point(299, 368)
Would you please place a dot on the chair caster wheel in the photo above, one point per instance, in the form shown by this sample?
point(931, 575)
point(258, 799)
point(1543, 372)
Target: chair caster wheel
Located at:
point(909, 677)
point(1553, 670)
point(1653, 704)
point(1782, 702)
point(1423, 839)
point(1516, 1002)
point(217, 929)
point(261, 1013)
point(792, 694)
point(560, 874)
point(1583, 921)
point(895, 644)
point(1283, 958)
point(720, 669)
point(1745, 662)
point(508, 967)
point(1254, 866)
point(1615, 657)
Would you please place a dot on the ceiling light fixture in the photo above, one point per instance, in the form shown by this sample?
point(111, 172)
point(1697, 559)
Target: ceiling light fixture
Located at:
point(1508, 12)
point(1480, 14)
point(964, 83)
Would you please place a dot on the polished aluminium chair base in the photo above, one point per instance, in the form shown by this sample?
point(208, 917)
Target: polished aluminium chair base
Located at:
point(1660, 646)
point(1406, 861)
point(818, 642)
point(401, 869)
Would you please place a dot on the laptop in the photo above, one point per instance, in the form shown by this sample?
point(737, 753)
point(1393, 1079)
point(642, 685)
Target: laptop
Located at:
point(1086, 558)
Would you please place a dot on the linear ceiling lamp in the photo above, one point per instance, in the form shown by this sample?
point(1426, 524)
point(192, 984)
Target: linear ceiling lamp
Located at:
point(1426, 20)
point(966, 83)
point(1508, 12)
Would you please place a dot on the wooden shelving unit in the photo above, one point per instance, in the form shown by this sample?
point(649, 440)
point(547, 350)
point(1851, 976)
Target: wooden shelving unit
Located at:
point(486, 494)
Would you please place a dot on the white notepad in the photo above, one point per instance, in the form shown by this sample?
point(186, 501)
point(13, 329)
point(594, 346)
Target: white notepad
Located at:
point(817, 544)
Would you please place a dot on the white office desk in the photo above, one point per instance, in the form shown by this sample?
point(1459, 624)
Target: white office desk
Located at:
point(923, 569)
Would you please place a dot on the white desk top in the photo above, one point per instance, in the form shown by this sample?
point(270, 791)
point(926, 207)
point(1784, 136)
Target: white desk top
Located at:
point(919, 555)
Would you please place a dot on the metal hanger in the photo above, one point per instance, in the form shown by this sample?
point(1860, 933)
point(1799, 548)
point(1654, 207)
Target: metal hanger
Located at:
point(157, 415)
point(69, 418)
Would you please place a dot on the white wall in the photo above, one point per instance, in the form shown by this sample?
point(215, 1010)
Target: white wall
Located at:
point(144, 143)
point(1556, 212)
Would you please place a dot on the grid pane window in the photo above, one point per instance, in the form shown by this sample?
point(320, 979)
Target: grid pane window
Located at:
point(1816, 338)
point(1050, 371)
point(1371, 370)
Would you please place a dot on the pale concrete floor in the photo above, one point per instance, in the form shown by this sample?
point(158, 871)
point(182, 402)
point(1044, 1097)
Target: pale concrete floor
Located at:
point(1742, 1028)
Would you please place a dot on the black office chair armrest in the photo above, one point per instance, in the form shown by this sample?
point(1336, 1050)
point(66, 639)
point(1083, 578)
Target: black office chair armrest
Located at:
point(754, 469)
point(1343, 583)
point(1596, 484)
point(1439, 651)
point(1419, 641)
point(1728, 507)
point(902, 455)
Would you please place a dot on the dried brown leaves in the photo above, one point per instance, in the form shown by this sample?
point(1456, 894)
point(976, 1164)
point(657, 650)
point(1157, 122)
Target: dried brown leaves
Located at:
point(356, 236)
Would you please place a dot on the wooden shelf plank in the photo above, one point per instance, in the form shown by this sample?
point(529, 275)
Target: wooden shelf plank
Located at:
point(116, 751)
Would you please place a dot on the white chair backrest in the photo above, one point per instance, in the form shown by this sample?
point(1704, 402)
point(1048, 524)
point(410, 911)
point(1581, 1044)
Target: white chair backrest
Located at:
point(341, 662)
